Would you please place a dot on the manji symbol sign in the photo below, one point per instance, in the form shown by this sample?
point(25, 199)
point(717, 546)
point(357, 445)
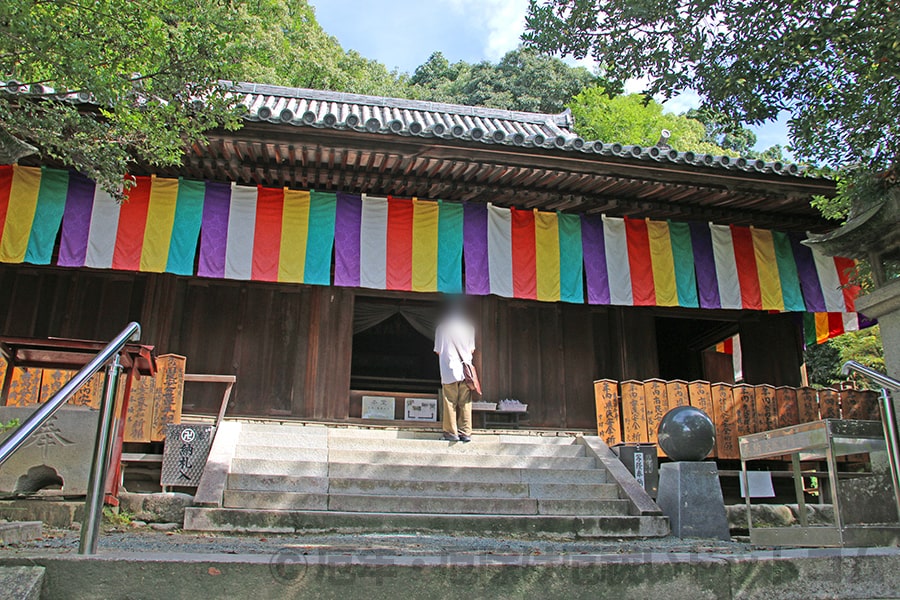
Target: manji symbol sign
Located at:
point(185, 453)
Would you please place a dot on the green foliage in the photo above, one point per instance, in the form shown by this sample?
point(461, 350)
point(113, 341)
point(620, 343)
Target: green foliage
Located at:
point(9, 425)
point(522, 80)
point(636, 119)
point(145, 65)
point(823, 361)
point(834, 66)
point(117, 518)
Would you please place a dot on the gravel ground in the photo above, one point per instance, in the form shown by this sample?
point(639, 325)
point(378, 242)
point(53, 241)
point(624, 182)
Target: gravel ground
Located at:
point(145, 540)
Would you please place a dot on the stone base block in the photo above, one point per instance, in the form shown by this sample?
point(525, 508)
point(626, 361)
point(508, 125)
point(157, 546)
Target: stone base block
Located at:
point(690, 495)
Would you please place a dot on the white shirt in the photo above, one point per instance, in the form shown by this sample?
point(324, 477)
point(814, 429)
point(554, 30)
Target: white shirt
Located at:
point(452, 334)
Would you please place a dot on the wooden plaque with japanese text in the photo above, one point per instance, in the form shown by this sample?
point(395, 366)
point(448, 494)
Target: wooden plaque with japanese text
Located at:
point(606, 398)
point(634, 413)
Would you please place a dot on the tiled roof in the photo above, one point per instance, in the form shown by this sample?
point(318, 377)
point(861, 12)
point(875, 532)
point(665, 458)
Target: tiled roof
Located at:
point(394, 116)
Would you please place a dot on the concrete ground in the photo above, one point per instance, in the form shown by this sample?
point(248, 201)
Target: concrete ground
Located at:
point(143, 539)
point(138, 563)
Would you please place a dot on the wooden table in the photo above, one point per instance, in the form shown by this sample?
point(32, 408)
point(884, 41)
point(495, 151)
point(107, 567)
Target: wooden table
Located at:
point(488, 418)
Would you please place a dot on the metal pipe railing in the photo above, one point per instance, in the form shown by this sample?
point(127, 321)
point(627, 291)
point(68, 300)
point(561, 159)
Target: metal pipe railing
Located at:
point(889, 418)
point(888, 383)
point(90, 528)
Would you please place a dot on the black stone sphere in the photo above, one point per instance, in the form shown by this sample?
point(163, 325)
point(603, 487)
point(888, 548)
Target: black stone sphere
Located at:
point(687, 433)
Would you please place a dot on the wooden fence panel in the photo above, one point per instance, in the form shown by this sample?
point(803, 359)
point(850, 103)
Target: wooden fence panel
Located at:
point(829, 404)
point(678, 393)
point(657, 405)
point(606, 398)
point(766, 408)
point(634, 412)
point(169, 394)
point(871, 405)
point(701, 397)
point(726, 434)
point(788, 409)
point(744, 409)
point(808, 403)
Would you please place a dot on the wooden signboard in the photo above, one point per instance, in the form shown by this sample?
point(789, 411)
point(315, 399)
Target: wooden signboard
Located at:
point(860, 404)
point(788, 409)
point(606, 399)
point(634, 413)
point(657, 405)
point(808, 404)
point(24, 387)
point(766, 408)
point(744, 409)
point(829, 404)
point(700, 397)
point(678, 393)
point(169, 394)
point(139, 418)
point(871, 405)
point(726, 435)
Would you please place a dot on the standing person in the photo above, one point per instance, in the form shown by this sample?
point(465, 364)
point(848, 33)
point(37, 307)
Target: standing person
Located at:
point(454, 343)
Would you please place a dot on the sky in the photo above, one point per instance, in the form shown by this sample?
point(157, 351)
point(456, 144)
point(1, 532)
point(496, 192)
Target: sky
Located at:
point(402, 34)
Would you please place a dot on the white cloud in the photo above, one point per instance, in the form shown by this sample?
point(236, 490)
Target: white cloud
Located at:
point(503, 22)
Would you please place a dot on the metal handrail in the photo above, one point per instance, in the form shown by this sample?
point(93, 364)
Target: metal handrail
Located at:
point(109, 355)
point(889, 418)
point(888, 383)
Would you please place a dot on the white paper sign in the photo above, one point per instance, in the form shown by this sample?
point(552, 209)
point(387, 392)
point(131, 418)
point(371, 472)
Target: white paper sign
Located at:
point(760, 483)
point(421, 409)
point(378, 407)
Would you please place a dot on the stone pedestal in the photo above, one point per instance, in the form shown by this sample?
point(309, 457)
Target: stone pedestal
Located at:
point(690, 495)
point(883, 303)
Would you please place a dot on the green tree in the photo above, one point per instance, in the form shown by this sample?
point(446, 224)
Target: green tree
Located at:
point(833, 65)
point(153, 70)
point(823, 361)
point(633, 119)
point(522, 80)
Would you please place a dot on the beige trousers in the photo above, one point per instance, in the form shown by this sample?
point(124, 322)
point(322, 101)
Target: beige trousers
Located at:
point(457, 401)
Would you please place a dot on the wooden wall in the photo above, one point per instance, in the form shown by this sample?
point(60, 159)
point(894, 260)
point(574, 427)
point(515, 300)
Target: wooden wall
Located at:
point(290, 346)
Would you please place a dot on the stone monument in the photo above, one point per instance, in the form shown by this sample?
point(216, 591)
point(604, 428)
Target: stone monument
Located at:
point(689, 490)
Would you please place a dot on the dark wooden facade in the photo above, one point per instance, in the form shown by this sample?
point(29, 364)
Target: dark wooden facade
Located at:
point(291, 346)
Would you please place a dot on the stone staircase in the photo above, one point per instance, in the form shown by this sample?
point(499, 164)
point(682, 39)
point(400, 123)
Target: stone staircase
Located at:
point(288, 477)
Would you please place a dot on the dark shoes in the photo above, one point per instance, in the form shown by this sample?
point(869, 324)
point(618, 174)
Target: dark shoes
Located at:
point(451, 438)
point(465, 438)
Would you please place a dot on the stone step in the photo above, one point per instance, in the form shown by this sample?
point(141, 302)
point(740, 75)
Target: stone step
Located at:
point(274, 500)
point(282, 453)
point(285, 440)
point(286, 521)
point(393, 487)
point(277, 483)
point(16, 532)
point(479, 436)
point(420, 504)
point(459, 459)
point(290, 468)
point(21, 583)
point(466, 474)
point(248, 469)
point(319, 430)
point(443, 447)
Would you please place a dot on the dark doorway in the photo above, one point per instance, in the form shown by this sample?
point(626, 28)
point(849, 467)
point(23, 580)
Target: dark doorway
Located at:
point(393, 355)
point(681, 343)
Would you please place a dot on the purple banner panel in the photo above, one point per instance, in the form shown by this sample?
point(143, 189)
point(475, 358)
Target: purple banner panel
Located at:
point(594, 248)
point(214, 230)
point(809, 277)
point(475, 249)
point(348, 221)
point(76, 224)
point(705, 266)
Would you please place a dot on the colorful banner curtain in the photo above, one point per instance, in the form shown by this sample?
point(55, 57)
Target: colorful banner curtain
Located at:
point(398, 244)
point(819, 327)
point(283, 235)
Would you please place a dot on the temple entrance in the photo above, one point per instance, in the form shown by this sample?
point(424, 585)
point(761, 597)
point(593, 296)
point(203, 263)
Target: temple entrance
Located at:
point(687, 349)
point(393, 346)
